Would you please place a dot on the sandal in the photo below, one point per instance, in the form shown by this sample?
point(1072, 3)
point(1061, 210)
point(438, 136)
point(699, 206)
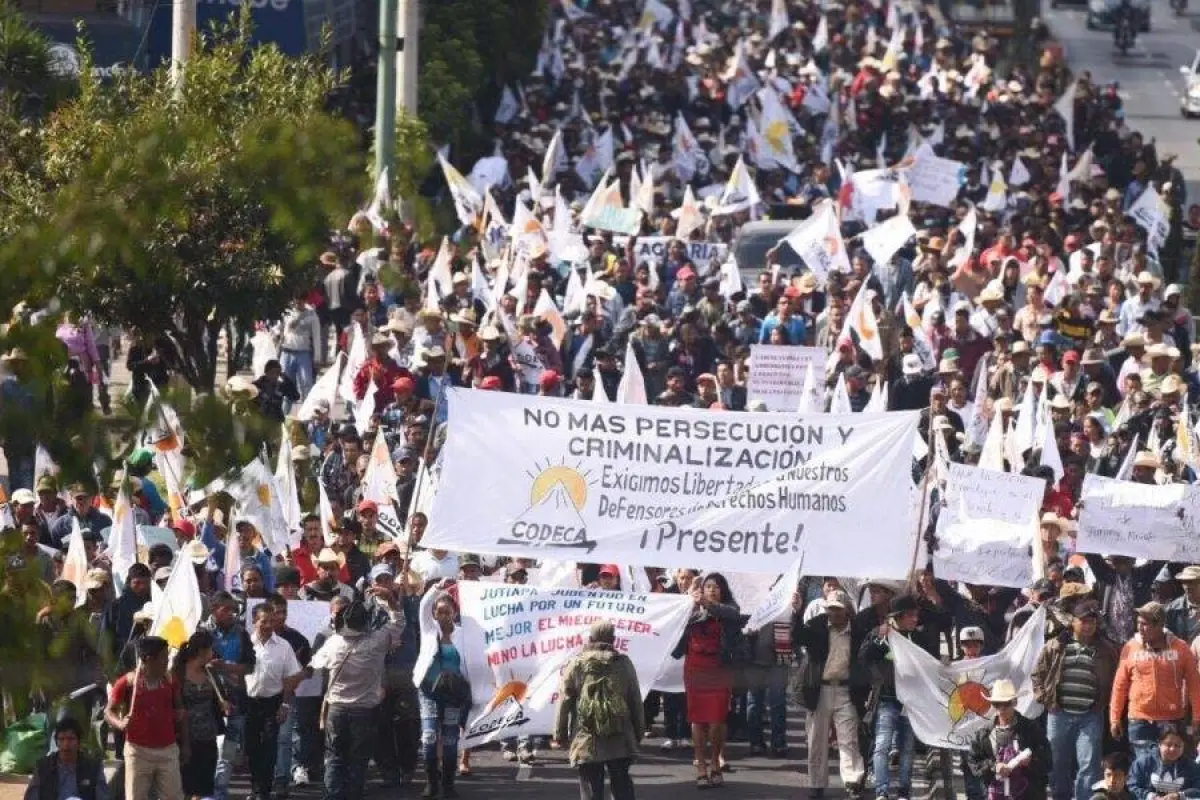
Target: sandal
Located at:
point(716, 779)
point(703, 782)
point(464, 771)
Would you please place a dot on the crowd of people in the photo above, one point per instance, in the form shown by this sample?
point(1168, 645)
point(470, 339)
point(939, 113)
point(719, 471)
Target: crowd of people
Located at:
point(1046, 282)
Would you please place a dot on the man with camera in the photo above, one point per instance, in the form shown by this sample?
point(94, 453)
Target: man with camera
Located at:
point(353, 660)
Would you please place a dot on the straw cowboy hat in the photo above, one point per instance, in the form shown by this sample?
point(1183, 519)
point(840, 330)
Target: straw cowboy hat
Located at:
point(329, 556)
point(1002, 691)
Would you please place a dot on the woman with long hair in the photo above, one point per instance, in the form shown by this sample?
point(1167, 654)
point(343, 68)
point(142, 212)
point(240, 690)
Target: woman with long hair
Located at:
point(441, 716)
point(707, 679)
point(206, 711)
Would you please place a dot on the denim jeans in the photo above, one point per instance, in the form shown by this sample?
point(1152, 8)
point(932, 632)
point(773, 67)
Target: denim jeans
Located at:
point(234, 731)
point(1143, 734)
point(1074, 738)
point(283, 755)
point(892, 729)
point(306, 734)
point(297, 365)
point(972, 783)
point(439, 720)
point(349, 741)
point(768, 703)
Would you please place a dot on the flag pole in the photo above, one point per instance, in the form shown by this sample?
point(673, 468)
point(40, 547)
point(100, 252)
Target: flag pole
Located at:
point(924, 496)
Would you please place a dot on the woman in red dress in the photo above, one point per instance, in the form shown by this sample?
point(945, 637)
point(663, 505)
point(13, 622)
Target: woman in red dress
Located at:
point(707, 680)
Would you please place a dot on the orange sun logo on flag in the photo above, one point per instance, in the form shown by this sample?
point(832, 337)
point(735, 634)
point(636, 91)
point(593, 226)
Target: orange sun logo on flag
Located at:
point(777, 134)
point(968, 697)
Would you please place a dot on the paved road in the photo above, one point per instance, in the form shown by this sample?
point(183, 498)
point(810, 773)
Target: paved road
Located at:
point(1149, 77)
point(656, 776)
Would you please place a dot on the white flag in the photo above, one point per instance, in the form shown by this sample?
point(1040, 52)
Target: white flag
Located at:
point(818, 242)
point(285, 484)
point(509, 107)
point(779, 19)
point(689, 218)
point(468, 202)
point(775, 125)
point(921, 341)
point(122, 539)
point(731, 278)
point(555, 160)
point(811, 395)
point(820, 39)
point(861, 319)
point(75, 565)
point(179, 610)
point(326, 388)
point(686, 150)
point(597, 160)
point(967, 228)
point(947, 704)
point(355, 359)
point(1066, 109)
point(992, 455)
point(381, 203)
point(740, 193)
point(882, 241)
point(632, 388)
point(1019, 174)
point(997, 196)
point(1050, 455)
point(1024, 434)
point(840, 403)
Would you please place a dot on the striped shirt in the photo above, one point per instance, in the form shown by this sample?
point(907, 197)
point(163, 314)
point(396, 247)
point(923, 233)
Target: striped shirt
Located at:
point(1077, 687)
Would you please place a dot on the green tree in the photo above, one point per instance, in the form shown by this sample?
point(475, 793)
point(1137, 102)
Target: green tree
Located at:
point(182, 215)
point(25, 65)
point(471, 49)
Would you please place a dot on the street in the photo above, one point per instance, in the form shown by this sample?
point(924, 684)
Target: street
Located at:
point(1150, 83)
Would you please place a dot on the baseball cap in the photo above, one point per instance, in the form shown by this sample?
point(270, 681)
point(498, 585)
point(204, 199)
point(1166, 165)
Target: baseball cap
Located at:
point(491, 384)
point(1153, 612)
point(550, 379)
point(611, 569)
point(22, 497)
point(367, 505)
point(381, 570)
point(838, 599)
point(685, 273)
point(971, 633)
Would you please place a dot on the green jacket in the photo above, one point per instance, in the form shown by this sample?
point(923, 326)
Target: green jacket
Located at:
point(586, 748)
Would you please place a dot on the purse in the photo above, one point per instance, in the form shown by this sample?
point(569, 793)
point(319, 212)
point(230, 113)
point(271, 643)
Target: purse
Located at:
point(451, 689)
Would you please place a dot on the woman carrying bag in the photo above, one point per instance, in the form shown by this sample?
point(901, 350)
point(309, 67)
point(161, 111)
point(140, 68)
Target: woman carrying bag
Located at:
point(440, 674)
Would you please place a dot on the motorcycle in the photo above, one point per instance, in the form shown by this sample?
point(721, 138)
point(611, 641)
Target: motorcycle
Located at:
point(1124, 33)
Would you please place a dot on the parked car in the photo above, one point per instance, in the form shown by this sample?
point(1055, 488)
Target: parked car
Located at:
point(1189, 101)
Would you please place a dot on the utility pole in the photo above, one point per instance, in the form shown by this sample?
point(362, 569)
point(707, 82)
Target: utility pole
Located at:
point(183, 31)
point(406, 68)
point(385, 95)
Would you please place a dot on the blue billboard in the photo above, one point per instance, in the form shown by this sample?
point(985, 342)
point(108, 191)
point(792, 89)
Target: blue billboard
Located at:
point(278, 22)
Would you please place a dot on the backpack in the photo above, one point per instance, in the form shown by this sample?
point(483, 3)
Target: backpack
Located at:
point(602, 709)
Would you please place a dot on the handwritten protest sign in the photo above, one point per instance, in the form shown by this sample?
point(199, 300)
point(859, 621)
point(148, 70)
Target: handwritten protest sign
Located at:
point(650, 485)
point(777, 375)
point(528, 634)
point(987, 526)
point(933, 179)
point(1123, 518)
point(308, 617)
point(618, 220)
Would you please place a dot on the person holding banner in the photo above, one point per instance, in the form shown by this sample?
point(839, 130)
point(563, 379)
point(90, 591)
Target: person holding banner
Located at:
point(707, 680)
point(600, 692)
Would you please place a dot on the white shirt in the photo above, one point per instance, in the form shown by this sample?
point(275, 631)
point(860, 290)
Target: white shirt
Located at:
point(430, 568)
point(275, 661)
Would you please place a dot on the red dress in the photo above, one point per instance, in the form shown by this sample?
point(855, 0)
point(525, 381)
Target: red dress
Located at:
point(706, 680)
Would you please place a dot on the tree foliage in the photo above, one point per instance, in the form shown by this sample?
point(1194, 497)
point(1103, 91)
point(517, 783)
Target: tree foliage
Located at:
point(179, 215)
point(471, 49)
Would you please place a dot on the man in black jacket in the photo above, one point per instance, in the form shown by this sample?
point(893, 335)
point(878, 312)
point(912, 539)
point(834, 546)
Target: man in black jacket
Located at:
point(68, 773)
point(831, 682)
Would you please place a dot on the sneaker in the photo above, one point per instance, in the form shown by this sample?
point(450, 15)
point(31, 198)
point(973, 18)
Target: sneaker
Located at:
point(508, 754)
point(526, 755)
point(686, 744)
point(668, 745)
point(300, 776)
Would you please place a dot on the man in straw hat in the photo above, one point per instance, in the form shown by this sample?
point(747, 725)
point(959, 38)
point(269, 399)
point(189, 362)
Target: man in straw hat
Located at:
point(327, 586)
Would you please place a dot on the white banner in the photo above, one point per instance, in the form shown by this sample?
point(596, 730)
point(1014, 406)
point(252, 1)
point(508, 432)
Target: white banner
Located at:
point(528, 634)
point(653, 249)
point(987, 526)
point(1122, 518)
point(777, 375)
point(675, 487)
point(947, 703)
